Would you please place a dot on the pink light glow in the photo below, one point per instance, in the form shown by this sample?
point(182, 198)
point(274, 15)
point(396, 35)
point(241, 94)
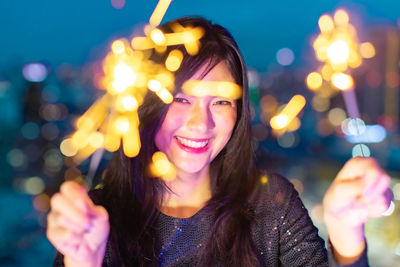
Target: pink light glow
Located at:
point(118, 4)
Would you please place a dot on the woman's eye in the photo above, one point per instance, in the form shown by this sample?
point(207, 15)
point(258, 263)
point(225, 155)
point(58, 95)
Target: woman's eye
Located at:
point(181, 100)
point(223, 102)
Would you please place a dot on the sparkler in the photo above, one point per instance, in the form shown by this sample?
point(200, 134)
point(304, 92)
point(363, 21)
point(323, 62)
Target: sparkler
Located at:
point(338, 48)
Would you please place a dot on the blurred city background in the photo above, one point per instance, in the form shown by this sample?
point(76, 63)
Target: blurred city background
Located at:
point(51, 53)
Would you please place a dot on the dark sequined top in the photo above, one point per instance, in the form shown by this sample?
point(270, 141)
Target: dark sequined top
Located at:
point(282, 231)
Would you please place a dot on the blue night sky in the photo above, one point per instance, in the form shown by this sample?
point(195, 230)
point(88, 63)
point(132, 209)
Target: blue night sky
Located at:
point(79, 31)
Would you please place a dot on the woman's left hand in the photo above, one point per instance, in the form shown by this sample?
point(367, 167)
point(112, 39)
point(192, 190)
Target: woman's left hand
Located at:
point(360, 191)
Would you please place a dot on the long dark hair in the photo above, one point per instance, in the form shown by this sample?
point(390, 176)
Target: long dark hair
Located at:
point(133, 199)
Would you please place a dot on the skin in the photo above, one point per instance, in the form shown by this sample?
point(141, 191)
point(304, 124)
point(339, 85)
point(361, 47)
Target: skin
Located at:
point(210, 118)
point(79, 229)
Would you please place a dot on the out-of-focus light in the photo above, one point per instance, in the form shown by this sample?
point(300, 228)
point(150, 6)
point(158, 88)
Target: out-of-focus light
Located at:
point(342, 81)
point(264, 179)
point(390, 210)
point(16, 157)
point(159, 12)
point(361, 150)
point(336, 116)
point(397, 250)
point(288, 113)
point(41, 202)
point(118, 4)
point(53, 160)
point(34, 185)
point(118, 47)
point(287, 140)
point(372, 134)
point(320, 104)
point(154, 85)
point(68, 148)
point(30, 130)
point(253, 78)
point(367, 50)
point(34, 72)
point(174, 60)
point(325, 23)
point(338, 52)
point(50, 131)
point(122, 124)
point(353, 127)
point(392, 79)
point(285, 56)
point(157, 36)
point(161, 167)
point(96, 140)
point(396, 191)
point(279, 122)
point(314, 81)
point(341, 17)
point(165, 96)
point(126, 103)
point(326, 72)
point(124, 77)
point(294, 125)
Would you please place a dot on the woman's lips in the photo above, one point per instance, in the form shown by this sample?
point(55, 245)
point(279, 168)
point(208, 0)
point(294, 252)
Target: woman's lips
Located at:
point(193, 145)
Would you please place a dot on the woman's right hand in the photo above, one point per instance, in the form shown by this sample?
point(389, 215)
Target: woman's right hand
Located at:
point(76, 227)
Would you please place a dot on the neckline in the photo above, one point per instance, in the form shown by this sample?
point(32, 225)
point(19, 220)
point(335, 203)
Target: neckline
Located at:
point(200, 211)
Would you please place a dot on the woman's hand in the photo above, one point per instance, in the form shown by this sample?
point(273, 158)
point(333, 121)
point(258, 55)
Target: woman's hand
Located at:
point(76, 227)
point(360, 191)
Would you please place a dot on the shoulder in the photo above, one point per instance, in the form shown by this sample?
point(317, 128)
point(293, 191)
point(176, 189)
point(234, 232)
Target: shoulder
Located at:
point(272, 187)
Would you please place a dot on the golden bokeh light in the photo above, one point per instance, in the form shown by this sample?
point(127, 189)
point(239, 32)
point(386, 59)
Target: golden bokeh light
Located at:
point(341, 17)
point(215, 88)
point(122, 124)
point(159, 12)
point(96, 140)
point(342, 81)
point(68, 148)
point(367, 50)
point(325, 23)
point(338, 51)
point(289, 112)
point(118, 47)
point(157, 36)
point(314, 81)
point(174, 60)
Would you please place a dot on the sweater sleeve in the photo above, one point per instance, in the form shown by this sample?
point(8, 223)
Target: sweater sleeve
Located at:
point(300, 244)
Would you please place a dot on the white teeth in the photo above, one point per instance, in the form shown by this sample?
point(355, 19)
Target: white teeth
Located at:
point(191, 143)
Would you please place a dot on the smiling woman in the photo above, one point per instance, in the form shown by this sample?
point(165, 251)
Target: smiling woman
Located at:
point(218, 210)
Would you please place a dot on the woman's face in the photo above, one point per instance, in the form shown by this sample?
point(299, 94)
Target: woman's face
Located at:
point(197, 128)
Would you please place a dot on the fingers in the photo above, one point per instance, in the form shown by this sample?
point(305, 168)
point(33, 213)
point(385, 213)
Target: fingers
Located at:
point(77, 195)
point(69, 211)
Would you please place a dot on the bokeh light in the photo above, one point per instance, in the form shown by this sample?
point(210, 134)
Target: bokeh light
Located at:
point(34, 185)
point(342, 81)
point(314, 81)
point(336, 116)
point(353, 127)
point(16, 157)
point(361, 150)
point(34, 72)
point(390, 210)
point(30, 130)
point(367, 50)
point(285, 56)
point(372, 134)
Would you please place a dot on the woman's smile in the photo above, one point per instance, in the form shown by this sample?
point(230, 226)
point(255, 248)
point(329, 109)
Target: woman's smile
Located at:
point(193, 145)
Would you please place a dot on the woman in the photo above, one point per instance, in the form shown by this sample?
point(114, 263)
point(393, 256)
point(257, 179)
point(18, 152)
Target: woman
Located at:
point(216, 211)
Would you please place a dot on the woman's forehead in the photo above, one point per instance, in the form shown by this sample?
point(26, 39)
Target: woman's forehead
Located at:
point(220, 72)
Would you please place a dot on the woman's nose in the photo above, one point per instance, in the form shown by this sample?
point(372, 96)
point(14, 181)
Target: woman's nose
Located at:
point(200, 118)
